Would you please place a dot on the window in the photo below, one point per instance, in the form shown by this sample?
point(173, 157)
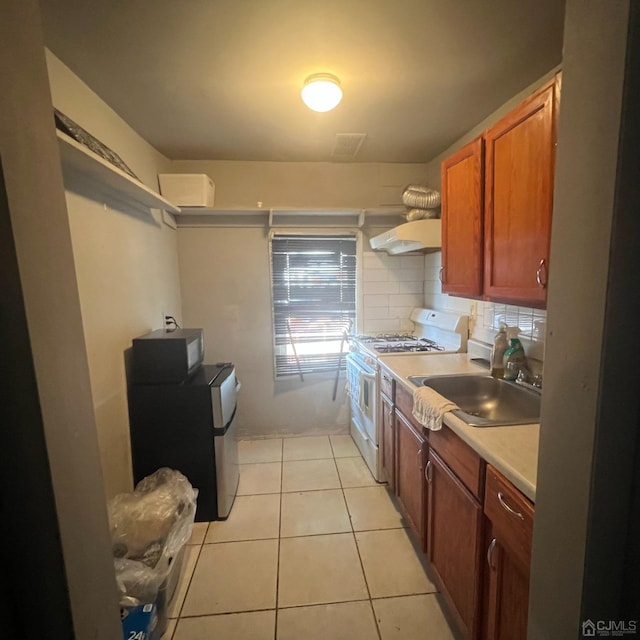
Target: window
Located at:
point(313, 279)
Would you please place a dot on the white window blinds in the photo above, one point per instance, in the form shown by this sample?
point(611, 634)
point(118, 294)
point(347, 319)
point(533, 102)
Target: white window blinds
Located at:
point(314, 300)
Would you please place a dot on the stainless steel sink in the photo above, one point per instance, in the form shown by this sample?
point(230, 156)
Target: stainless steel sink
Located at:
point(485, 401)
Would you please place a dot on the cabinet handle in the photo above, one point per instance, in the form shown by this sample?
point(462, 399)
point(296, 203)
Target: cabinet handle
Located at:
point(418, 457)
point(492, 546)
point(428, 472)
point(517, 514)
point(541, 267)
point(441, 274)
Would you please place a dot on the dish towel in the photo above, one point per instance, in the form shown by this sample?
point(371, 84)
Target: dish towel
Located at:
point(429, 407)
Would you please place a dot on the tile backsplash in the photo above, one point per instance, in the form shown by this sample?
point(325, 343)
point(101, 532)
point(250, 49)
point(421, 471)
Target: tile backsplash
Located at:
point(485, 317)
point(391, 287)
point(532, 322)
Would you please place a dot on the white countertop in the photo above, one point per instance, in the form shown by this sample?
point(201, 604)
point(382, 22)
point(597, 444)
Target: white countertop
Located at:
point(513, 450)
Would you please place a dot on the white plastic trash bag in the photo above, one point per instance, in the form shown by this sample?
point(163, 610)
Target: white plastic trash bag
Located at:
point(149, 526)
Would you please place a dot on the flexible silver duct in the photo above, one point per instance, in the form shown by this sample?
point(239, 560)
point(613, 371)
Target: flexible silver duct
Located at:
point(420, 197)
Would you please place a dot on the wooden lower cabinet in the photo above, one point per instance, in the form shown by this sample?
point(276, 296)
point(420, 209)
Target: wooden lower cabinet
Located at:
point(474, 525)
point(454, 537)
point(411, 449)
point(509, 531)
point(388, 447)
point(506, 591)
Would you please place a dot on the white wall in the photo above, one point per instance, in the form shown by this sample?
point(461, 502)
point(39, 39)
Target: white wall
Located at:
point(40, 227)
point(304, 184)
point(226, 289)
point(583, 537)
point(126, 265)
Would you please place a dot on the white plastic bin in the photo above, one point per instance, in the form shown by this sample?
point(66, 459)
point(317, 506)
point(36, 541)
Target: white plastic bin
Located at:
point(187, 189)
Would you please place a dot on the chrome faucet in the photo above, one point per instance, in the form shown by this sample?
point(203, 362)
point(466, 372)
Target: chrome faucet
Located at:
point(529, 380)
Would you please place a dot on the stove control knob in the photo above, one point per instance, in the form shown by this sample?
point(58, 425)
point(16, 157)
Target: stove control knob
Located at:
point(370, 361)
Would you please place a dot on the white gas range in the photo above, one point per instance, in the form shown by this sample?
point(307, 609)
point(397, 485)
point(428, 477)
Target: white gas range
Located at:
point(435, 332)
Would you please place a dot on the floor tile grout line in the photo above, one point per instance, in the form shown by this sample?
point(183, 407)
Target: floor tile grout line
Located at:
point(333, 452)
point(186, 593)
point(308, 459)
point(355, 542)
point(413, 594)
point(305, 535)
point(277, 594)
point(222, 614)
point(366, 582)
point(375, 618)
point(277, 608)
point(364, 575)
point(335, 464)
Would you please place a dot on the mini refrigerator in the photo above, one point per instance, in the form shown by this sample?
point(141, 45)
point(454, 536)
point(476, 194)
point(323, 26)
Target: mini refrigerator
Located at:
point(189, 426)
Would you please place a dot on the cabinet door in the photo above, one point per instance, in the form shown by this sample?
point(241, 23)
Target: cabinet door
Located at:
point(520, 153)
point(506, 589)
point(388, 449)
point(411, 453)
point(462, 232)
point(510, 518)
point(454, 530)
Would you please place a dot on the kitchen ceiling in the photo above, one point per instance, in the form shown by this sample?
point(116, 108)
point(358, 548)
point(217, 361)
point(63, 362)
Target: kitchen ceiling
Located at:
point(221, 79)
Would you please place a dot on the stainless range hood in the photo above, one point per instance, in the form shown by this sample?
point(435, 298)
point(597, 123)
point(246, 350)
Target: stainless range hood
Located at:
point(418, 235)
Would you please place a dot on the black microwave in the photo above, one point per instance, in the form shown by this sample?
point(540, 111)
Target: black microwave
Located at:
point(166, 356)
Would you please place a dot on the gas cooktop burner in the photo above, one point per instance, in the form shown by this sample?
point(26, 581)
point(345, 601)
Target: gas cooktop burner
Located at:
point(395, 337)
point(385, 337)
point(437, 332)
point(416, 346)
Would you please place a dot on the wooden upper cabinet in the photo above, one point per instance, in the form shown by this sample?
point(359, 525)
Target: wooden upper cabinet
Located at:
point(519, 168)
point(462, 205)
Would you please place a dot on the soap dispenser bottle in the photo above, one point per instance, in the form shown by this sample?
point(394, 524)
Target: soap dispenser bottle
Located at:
point(514, 358)
point(500, 345)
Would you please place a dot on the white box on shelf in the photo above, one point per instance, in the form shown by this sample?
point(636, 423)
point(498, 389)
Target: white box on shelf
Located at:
point(187, 189)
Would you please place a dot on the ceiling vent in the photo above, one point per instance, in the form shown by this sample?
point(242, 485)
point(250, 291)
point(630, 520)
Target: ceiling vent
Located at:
point(348, 145)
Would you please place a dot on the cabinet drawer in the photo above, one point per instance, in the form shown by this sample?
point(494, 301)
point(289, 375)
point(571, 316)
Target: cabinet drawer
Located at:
point(460, 457)
point(404, 402)
point(511, 515)
point(387, 384)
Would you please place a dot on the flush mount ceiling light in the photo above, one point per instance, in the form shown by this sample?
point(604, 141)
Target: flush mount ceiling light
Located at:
point(321, 92)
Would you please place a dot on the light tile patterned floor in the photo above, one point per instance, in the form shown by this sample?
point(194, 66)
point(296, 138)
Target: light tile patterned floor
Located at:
point(314, 548)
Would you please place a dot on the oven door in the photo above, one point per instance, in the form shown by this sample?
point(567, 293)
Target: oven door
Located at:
point(363, 394)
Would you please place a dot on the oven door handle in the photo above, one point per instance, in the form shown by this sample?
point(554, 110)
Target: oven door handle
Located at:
point(353, 362)
point(361, 384)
